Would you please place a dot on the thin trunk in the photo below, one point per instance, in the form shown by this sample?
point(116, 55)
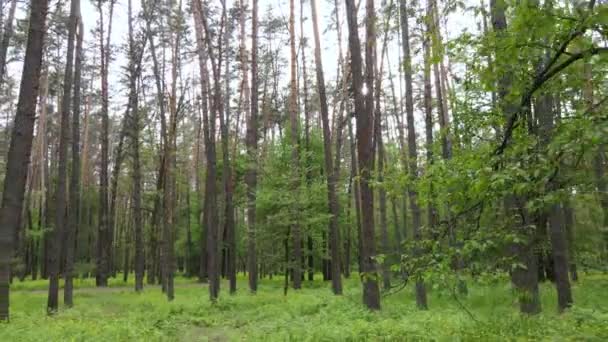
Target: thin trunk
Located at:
point(421, 300)
point(295, 155)
point(56, 236)
point(371, 293)
point(251, 141)
point(134, 67)
point(381, 153)
point(332, 198)
point(104, 237)
point(74, 213)
point(229, 223)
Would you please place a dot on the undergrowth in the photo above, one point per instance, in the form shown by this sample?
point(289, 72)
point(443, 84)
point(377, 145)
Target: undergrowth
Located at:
point(311, 314)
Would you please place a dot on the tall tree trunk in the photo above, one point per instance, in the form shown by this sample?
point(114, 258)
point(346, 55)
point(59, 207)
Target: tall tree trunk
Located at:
point(332, 198)
point(421, 301)
point(371, 292)
point(74, 212)
point(309, 239)
point(251, 142)
point(104, 237)
point(169, 189)
point(209, 214)
point(428, 117)
point(56, 237)
point(229, 222)
point(160, 93)
point(134, 68)
point(20, 147)
point(295, 155)
point(381, 154)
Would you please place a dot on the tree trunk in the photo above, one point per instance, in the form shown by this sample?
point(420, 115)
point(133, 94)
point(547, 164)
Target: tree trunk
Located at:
point(56, 236)
point(134, 68)
point(210, 212)
point(332, 198)
point(371, 293)
point(251, 141)
point(381, 154)
point(74, 212)
point(104, 237)
point(229, 223)
point(295, 155)
point(20, 147)
point(421, 301)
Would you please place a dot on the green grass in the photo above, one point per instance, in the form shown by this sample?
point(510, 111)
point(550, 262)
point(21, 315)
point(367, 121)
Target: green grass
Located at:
point(311, 314)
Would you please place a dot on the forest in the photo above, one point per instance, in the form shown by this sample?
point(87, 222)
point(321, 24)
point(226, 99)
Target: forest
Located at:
point(315, 170)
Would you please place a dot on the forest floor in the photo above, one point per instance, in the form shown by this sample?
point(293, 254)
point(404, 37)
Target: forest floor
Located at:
point(488, 313)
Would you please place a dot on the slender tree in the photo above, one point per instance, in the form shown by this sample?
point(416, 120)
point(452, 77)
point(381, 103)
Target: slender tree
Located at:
point(104, 236)
point(295, 155)
point(56, 238)
point(251, 141)
point(75, 201)
point(331, 174)
point(371, 292)
point(411, 144)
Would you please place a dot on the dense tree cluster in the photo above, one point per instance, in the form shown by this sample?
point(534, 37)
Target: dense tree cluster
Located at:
point(208, 142)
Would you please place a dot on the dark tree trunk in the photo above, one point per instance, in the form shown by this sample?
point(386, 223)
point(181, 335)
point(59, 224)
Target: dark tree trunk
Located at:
point(104, 237)
point(295, 155)
point(379, 144)
point(134, 72)
point(210, 217)
point(160, 185)
point(20, 147)
point(229, 222)
point(371, 292)
point(74, 213)
point(421, 301)
point(56, 236)
point(251, 142)
point(332, 198)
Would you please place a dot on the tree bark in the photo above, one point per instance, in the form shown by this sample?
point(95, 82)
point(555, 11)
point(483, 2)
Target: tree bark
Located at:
point(74, 212)
point(371, 292)
point(104, 237)
point(332, 198)
point(421, 300)
point(134, 71)
point(251, 142)
point(56, 236)
point(295, 154)
point(20, 147)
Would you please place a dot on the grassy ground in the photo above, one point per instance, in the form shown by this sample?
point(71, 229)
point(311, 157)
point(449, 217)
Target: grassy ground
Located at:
point(312, 314)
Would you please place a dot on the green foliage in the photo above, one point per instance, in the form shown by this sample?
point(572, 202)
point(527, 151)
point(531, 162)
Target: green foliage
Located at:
point(312, 314)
